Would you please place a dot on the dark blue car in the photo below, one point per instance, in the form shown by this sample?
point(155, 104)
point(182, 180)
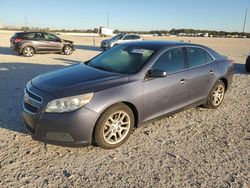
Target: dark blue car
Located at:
point(101, 101)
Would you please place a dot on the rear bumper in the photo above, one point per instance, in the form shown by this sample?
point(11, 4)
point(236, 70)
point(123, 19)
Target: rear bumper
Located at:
point(16, 47)
point(230, 77)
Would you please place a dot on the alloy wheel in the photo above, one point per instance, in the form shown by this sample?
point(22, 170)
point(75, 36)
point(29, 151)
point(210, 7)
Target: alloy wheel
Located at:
point(218, 95)
point(28, 51)
point(116, 127)
point(67, 50)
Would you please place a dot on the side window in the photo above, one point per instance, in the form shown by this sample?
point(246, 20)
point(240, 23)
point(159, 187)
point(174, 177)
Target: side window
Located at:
point(51, 37)
point(136, 37)
point(39, 36)
point(170, 61)
point(198, 57)
point(29, 36)
point(128, 37)
point(208, 57)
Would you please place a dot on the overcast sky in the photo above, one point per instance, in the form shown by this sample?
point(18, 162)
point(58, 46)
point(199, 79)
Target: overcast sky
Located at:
point(127, 15)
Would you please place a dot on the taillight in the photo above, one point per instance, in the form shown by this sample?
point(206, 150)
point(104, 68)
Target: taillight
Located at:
point(17, 40)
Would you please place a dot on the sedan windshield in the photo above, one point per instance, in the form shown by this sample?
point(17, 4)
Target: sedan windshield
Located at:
point(122, 59)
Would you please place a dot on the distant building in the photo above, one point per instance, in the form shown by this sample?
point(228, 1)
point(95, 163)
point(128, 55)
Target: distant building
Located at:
point(1, 25)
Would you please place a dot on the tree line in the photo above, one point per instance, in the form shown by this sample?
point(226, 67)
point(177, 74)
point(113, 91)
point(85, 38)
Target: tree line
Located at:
point(190, 32)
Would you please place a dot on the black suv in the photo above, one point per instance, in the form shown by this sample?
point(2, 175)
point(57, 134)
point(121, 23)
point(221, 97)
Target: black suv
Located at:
point(29, 43)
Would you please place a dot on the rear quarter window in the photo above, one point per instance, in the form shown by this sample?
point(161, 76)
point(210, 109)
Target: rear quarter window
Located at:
point(29, 36)
point(198, 57)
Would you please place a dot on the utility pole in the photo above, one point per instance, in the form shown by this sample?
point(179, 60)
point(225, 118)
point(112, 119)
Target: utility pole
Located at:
point(244, 24)
point(107, 19)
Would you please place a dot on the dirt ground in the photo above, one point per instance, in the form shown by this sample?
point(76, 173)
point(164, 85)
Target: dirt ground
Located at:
point(194, 148)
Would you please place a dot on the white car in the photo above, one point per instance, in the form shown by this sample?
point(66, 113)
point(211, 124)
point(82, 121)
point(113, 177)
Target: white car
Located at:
point(248, 63)
point(120, 38)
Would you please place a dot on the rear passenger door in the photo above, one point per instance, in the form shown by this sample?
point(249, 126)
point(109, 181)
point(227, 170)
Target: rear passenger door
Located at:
point(201, 73)
point(166, 94)
point(38, 41)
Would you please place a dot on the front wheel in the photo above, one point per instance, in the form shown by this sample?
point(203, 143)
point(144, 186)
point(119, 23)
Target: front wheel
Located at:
point(67, 50)
point(114, 126)
point(28, 51)
point(216, 95)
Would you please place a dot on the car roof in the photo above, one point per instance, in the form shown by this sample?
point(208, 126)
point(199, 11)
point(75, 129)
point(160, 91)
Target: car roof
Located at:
point(156, 45)
point(29, 32)
point(132, 34)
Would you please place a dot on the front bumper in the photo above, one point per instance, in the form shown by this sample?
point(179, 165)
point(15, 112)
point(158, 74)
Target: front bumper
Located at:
point(105, 46)
point(71, 129)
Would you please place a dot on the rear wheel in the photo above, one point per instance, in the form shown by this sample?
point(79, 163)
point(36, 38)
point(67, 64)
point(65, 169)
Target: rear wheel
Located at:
point(28, 51)
point(248, 64)
point(216, 95)
point(114, 126)
point(67, 50)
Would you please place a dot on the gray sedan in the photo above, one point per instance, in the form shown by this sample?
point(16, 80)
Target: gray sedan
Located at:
point(101, 101)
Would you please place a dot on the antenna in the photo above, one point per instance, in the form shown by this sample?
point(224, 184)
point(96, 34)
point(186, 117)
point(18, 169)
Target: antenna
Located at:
point(244, 25)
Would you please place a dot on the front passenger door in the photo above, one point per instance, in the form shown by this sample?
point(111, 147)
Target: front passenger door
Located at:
point(53, 42)
point(166, 94)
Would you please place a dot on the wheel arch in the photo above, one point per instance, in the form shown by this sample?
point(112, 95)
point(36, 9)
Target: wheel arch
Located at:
point(224, 80)
point(134, 110)
point(28, 45)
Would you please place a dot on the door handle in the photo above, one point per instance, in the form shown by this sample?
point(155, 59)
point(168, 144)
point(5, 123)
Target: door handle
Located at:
point(182, 81)
point(211, 72)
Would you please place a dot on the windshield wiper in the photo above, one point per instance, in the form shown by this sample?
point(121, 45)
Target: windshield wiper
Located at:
point(103, 68)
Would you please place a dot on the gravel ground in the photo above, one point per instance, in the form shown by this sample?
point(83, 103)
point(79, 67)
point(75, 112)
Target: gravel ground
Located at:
point(194, 148)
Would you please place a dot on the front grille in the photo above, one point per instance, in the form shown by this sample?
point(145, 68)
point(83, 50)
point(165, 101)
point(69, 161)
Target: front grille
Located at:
point(30, 108)
point(34, 96)
point(31, 101)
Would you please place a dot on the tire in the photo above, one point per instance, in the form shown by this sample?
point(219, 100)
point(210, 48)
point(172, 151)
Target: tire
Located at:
point(67, 50)
point(216, 95)
point(28, 51)
point(248, 64)
point(114, 126)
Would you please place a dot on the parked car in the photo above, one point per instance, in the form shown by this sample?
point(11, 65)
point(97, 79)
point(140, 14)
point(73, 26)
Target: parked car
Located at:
point(29, 43)
point(248, 63)
point(120, 38)
point(101, 101)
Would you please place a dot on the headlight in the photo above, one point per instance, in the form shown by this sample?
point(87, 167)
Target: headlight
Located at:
point(68, 104)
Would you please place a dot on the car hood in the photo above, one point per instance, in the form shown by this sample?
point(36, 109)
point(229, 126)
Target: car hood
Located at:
point(68, 41)
point(77, 79)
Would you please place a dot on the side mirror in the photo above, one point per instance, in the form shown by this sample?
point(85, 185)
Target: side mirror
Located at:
point(156, 73)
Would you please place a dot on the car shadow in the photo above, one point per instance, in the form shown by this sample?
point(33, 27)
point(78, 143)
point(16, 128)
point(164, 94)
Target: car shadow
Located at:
point(90, 48)
point(240, 68)
point(13, 79)
point(7, 51)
